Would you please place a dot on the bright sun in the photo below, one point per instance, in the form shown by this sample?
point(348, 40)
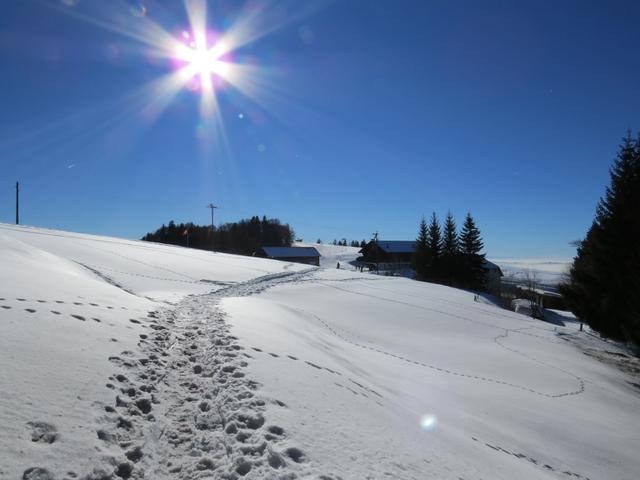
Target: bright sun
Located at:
point(200, 60)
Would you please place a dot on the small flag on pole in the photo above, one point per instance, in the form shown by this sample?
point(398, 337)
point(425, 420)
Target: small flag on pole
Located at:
point(185, 233)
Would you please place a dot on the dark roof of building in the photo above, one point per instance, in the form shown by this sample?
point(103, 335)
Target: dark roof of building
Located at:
point(290, 252)
point(397, 246)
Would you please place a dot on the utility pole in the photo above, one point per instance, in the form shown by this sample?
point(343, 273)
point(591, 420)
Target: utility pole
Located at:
point(375, 243)
point(17, 203)
point(212, 207)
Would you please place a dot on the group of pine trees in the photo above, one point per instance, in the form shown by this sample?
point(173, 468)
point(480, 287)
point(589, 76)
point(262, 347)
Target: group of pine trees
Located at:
point(443, 255)
point(243, 237)
point(603, 287)
point(343, 243)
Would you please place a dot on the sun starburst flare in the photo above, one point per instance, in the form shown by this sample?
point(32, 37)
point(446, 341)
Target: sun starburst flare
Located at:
point(199, 59)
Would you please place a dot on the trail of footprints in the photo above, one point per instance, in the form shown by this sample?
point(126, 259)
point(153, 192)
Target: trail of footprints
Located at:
point(211, 423)
point(363, 389)
point(581, 383)
point(75, 316)
point(373, 348)
point(522, 456)
point(61, 302)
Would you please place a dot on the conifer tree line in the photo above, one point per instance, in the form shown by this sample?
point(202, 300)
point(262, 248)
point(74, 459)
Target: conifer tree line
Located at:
point(603, 286)
point(444, 255)
point(243, 237)
point(343, 242)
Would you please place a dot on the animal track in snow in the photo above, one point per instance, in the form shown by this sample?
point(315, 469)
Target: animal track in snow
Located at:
point(522, 456)
point(373, 348)
point(334, 372)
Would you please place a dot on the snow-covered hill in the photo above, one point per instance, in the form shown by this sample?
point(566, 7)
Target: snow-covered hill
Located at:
point(125, 359)
point(331, 255)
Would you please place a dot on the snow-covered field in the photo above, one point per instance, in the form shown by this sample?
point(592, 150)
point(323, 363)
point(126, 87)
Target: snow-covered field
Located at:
point(124, 359)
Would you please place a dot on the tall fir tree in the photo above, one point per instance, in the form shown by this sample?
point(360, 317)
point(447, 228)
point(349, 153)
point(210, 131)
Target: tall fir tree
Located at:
point(603, 288)
point(473, 260)
point(421, 254)
point(434, 248)
point(450, 251)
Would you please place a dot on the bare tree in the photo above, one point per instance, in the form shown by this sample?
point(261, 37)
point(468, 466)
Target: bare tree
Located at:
point(532, 284)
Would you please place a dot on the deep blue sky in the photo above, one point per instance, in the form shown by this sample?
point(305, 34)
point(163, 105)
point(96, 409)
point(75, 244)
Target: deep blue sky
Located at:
point(372, 114)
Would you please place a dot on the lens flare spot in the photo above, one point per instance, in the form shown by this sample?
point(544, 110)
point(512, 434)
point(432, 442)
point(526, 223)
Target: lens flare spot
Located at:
point(138, 9)
point(428, 422)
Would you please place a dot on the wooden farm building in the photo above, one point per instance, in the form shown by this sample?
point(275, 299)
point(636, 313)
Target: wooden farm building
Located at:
point(395, 256)
point(388, 251)
point(493, 278)
point(308, 255)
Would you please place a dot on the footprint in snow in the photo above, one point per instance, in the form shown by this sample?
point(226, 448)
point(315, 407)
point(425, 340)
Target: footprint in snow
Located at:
point(42, 432)
point(37, 473)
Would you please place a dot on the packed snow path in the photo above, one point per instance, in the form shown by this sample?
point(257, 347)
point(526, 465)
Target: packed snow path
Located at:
point(183, 407)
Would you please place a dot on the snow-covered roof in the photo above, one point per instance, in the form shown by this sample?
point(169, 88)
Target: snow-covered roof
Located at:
point(397, 246)
point(290, 252)
point(487, 265)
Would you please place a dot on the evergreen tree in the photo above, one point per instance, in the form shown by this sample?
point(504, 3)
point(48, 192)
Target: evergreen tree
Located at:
point(603, 288)
point(450, 251)
point(471, 246)
point(421, 253)
point(434, 248)
point(243, 237)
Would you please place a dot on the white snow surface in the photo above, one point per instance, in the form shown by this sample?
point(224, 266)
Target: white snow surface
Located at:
point(126, 359)
point(330, 255)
